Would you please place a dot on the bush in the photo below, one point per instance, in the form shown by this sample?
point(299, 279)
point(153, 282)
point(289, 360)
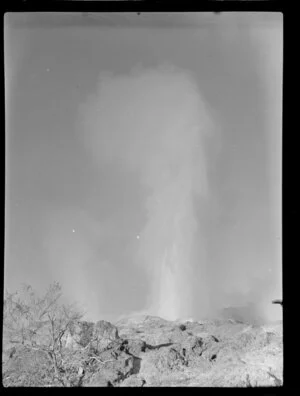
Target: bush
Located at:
point(35, 326)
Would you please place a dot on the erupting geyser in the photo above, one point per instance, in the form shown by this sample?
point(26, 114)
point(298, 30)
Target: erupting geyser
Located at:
point(168, 240)
point(153, 122)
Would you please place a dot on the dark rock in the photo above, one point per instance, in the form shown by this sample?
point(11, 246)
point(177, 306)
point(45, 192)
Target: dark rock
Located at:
point(135, 347)
point(213, 357)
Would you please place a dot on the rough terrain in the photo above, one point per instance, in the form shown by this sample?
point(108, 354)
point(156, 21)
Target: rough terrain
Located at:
point(148, 351)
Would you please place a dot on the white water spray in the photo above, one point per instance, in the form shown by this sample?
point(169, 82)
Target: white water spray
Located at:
point(156, 129)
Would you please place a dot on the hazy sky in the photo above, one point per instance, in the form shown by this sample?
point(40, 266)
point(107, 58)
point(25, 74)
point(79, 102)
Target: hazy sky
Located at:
point(143, 160)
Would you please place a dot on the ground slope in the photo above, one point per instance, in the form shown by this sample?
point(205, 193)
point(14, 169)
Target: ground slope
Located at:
point(150, 351)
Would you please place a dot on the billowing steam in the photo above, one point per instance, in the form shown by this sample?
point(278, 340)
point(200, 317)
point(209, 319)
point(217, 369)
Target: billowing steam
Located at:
point(153, 123)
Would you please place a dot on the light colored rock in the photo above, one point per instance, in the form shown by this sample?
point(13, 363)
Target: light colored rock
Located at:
point(158, 353)
point(104, 333)
point(133, 380)
point(82, 334)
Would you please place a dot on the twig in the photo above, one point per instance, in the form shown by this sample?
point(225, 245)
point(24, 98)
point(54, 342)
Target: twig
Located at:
point(99, 360)
point(86, 347)
point(248, 382)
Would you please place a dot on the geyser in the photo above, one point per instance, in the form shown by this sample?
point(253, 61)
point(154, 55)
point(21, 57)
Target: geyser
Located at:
point(153, 121)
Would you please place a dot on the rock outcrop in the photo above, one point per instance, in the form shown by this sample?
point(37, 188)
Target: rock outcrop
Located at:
point(97, 335)
point(149, 351)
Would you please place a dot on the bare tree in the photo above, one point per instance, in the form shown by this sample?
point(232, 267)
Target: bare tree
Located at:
point(39, 324)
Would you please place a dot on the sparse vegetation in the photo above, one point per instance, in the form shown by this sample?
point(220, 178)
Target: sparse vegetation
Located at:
point(33, 328)
point(46, 343)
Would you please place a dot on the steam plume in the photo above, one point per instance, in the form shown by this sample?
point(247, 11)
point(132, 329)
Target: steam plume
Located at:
point(153, 122)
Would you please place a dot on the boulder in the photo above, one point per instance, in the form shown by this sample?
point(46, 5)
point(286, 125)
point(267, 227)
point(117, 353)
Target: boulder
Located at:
point(105, 329)
point(82, 334)
point(114, 371)
point(78, 335)
point(104, 333)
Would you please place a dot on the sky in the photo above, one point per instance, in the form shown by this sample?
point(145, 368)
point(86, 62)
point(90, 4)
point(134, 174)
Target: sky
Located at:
point(143, 161)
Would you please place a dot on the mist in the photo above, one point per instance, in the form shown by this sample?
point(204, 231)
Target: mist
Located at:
point(154, 123)
point(146, 177)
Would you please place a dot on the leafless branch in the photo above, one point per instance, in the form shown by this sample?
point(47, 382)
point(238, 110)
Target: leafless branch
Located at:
point(99, 360)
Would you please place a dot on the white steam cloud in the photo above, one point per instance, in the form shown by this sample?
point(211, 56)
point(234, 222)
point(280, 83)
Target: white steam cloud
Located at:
point(153, 122)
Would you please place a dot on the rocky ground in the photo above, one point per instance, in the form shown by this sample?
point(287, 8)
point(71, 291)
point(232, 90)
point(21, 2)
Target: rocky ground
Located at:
point(148, 351)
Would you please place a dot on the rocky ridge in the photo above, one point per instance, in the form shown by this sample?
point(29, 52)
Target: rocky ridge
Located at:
point(150, 351)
